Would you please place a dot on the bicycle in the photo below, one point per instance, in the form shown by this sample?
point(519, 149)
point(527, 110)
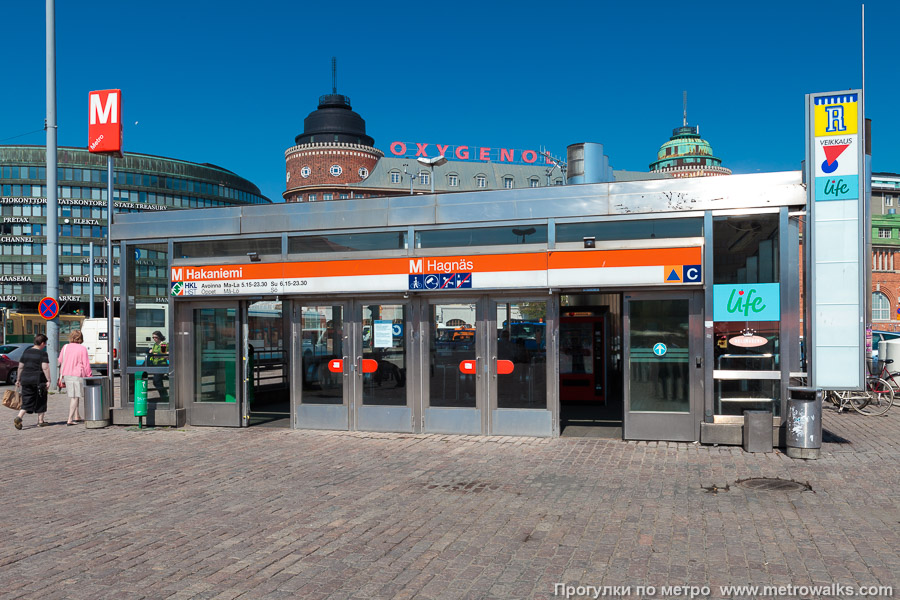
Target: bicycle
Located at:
point(889, 376)
point(876, 399)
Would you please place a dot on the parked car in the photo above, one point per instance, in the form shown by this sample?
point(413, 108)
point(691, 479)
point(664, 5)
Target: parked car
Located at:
point(882, 336)
point(9, 361)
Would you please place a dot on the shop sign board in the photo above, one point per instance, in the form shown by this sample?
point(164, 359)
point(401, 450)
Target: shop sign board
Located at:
point(746, 302)
point(837, 251)
point(444, 273)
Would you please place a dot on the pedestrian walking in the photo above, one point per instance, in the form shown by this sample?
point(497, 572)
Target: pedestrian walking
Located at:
point(33, 379)
point(75, 365)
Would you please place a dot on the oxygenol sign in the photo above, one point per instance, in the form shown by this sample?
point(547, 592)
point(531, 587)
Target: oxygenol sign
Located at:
point(469, 153)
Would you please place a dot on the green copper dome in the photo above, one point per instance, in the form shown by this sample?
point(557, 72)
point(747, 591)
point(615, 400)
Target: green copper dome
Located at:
point(686, 154)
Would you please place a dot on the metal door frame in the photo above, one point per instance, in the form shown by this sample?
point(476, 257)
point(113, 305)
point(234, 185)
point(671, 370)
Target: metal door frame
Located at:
point(662, 426)
point(522, 421)
point(390, 418)
point(351, 412)
point(210, 413)
point(450, 419)
point(312, 415)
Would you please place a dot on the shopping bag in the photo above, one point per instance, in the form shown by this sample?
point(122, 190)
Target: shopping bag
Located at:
point(12, 400)
point(61, 383)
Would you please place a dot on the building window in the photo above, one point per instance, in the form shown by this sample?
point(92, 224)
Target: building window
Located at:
point(480, 181)
point(336, 170)
point(884, 233)
point(343, 196)
point(305, 172)
point(424, 179)
point(312, 197)
point(508, 183)
point(327, 196)
point(881, 307)
point(533, 182)
point(363, 172)
point(557, 182)
point(395, 176)
point(452, 180)
point(888, 200)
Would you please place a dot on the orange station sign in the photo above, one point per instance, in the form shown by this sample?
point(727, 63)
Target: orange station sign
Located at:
point(652, 266)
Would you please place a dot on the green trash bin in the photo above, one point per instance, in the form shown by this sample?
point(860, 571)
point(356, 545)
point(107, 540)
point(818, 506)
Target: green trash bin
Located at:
point(140, 394)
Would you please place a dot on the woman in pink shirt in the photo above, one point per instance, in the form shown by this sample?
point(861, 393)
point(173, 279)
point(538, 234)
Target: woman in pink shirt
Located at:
point(74, 367)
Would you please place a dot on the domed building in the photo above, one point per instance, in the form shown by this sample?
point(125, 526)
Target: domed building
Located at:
point(335, 159)
point(686, 154)
point(332, 154)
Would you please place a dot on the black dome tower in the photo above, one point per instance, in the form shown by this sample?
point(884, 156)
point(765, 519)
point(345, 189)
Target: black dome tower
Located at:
point(333, 120)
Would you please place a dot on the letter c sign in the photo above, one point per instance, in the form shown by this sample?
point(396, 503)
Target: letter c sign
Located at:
point(691, 274)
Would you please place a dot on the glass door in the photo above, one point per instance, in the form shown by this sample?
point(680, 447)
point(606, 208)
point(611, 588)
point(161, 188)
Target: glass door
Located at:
point(663, 363)
point(215, 375)
point(324, 365)
point(455, 353)
point(518, 368)
point(380, 367)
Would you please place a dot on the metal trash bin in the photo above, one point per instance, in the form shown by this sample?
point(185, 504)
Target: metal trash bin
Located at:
point(758, 434)
point(96, 402)
point(803, 431)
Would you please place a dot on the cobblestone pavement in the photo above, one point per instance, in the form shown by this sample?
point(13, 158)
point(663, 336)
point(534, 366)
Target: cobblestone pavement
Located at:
point(274, 513)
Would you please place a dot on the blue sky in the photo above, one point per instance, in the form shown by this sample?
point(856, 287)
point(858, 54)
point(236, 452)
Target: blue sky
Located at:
point(230, 83)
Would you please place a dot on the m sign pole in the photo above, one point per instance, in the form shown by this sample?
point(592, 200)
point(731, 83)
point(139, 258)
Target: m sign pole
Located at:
point(105, 137)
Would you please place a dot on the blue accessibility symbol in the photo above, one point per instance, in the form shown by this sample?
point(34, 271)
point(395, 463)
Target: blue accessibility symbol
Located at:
point(659, 349)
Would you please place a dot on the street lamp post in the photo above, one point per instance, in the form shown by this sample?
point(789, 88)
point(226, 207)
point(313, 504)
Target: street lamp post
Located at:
point(431, 163)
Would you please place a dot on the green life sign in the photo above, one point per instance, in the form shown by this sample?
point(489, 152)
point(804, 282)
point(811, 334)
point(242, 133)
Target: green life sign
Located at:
point(747, 302)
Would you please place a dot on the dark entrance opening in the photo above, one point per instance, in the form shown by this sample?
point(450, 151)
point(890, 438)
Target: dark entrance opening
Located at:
point(590, 390)
point(268, 389)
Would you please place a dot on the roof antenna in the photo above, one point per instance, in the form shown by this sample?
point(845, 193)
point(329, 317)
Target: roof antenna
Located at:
point(685, 108)
point(334, 75)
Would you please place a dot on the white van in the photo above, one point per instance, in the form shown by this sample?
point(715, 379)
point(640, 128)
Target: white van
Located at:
point(96, 339)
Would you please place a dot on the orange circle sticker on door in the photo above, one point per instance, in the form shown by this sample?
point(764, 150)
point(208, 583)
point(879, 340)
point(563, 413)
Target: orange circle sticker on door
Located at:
point(467, 367)
point(505, 367)
point(369, 365)
point(336, 365)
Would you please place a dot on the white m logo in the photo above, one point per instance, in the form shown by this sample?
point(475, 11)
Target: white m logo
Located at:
point(110, 112)
point(177, 274)
point(415, 266)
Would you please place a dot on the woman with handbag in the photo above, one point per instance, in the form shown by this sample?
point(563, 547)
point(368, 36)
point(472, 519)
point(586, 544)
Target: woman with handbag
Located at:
point(75, 365)
point(34, 379)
